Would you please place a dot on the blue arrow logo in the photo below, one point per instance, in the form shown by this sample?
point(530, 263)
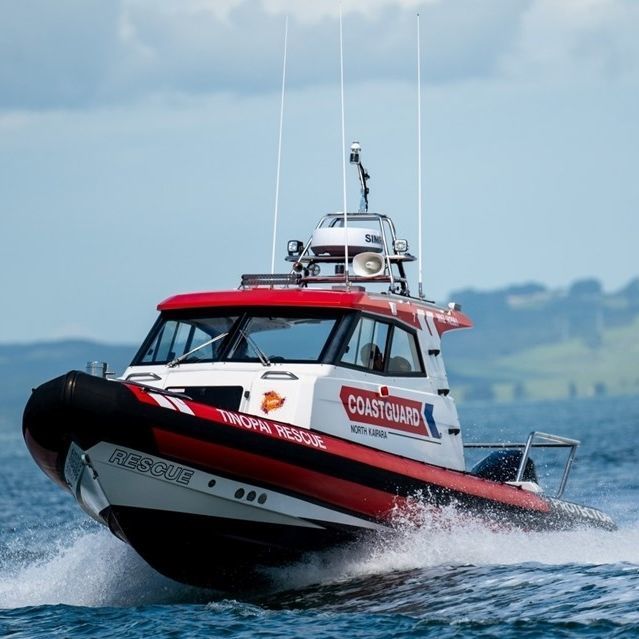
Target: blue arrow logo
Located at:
point(430, 420)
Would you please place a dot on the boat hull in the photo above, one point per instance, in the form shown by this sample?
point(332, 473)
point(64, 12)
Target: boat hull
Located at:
point(208, 496)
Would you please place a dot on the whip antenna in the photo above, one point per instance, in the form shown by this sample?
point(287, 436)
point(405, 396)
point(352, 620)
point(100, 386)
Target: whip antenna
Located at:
point(279, 149)
point(420, 291)
point(343, 147)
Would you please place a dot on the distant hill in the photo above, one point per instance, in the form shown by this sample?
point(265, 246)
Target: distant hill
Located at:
point(530, 341)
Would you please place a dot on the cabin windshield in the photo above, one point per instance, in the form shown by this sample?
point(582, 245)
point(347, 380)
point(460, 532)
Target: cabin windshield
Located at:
point(282, 338)
point(285, 336)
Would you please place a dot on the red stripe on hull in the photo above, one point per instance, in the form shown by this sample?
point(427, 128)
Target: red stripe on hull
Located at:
point(443, 477)
point(343, 494)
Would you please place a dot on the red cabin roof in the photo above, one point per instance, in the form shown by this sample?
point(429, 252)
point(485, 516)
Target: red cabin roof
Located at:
point(404, 309)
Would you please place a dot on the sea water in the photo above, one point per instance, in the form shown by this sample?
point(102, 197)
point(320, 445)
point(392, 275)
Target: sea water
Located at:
point(62, 575)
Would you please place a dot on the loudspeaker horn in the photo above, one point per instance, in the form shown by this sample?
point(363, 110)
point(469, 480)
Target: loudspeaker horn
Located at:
point(368, 264)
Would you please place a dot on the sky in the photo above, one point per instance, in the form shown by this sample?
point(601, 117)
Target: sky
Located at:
point(138, 145)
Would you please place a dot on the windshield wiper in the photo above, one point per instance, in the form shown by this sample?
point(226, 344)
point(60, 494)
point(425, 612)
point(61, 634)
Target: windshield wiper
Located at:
point(181, 358)
point(260, 353)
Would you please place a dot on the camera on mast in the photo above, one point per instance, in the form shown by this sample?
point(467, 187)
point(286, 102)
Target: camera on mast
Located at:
point(356, 149)
point(363, 175)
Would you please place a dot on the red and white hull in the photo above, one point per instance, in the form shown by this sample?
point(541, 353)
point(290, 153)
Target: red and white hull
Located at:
point(206, 496)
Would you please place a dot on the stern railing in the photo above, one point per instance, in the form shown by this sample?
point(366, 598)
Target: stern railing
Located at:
point(537, 439)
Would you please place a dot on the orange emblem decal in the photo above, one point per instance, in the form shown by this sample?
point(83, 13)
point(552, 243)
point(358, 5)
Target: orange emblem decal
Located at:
point(272, 401)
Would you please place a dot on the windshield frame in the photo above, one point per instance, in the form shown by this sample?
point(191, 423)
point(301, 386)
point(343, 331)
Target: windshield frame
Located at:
point(244, 315)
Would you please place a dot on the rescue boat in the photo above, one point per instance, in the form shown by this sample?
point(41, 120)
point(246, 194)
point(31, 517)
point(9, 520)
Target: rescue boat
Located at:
point(300, 411)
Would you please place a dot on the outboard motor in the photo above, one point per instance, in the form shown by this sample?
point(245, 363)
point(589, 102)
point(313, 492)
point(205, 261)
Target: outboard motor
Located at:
point(502, 465)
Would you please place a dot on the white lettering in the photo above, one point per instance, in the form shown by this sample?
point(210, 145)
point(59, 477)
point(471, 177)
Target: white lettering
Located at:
point(388, 410)
point(264, 427)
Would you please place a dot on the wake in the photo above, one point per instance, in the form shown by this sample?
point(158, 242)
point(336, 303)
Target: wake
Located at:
point(88, 569)
point(93, 568)
point(451, 539)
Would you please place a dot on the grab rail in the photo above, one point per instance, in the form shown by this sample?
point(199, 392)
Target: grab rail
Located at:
point(547, 441)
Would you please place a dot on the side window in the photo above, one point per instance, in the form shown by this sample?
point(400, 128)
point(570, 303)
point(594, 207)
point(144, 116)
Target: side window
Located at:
point(171, 339)
point(368, 348)
point(367, 345)
point(403, 357)
point(181, 340)
point(159, 350)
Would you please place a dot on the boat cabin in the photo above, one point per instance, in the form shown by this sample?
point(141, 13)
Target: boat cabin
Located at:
point(358, 365)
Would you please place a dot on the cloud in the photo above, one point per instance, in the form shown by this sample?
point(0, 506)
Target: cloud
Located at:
point(55, 54)
point(199, 47)
point(84, 53)
point(577, 39)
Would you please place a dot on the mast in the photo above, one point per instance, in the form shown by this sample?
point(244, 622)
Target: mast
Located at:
point(343, 147)
point(420, 279)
